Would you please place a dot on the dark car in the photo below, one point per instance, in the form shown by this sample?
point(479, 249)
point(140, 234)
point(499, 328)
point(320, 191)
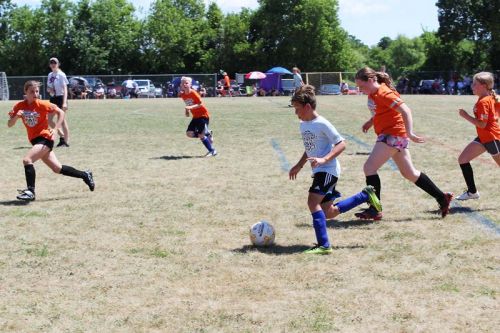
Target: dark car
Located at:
point(78, 87)
point(431, 87)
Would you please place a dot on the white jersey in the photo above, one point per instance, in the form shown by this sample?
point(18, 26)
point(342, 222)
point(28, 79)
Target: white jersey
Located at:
point(297, 80)
point(57, 81)
point(319, 137)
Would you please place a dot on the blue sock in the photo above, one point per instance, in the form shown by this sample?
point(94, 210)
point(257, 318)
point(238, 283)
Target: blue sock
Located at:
point(319, 224)
point(352, 202)
point(206, 143)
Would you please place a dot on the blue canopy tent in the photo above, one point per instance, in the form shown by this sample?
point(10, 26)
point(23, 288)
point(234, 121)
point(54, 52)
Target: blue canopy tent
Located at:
point(273, 79)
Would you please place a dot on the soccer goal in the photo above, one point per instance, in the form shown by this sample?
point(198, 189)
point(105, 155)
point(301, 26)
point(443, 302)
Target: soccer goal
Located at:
point(4, 87)
point(328, 83)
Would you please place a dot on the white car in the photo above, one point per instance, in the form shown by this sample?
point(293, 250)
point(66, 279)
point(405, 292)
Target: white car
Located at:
point(146, 88)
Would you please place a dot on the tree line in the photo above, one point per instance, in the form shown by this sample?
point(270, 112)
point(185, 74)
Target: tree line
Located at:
point(185, 36)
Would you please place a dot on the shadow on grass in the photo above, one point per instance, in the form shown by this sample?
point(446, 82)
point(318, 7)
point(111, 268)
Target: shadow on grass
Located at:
point(289, 249)
point(19, 148)
point(363, 153)
point(174, 157)
point(461, 210)
point(14, 203)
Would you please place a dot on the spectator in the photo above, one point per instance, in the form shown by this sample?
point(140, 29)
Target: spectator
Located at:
point(131, 88)
point(203, 91)
point(344, 88)
point(99, 92)
point(227, 85)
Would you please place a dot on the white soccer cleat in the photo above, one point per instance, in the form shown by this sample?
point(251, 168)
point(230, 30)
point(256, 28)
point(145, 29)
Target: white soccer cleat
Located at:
point(467, 196)
point(212, 153)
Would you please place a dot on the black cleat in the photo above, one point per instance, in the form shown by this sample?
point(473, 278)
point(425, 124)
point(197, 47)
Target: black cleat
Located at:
point(89, 180)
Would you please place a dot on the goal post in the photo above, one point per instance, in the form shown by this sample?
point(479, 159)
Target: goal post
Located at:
point(4, 87)
point(328, 83)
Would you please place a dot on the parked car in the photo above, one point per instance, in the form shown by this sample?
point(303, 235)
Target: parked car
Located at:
point(287, 86)
point(146, 88)
point(329, 89)
point(431, 87)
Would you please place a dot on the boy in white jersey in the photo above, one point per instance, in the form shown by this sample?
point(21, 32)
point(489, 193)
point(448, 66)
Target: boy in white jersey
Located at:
point(323, 143)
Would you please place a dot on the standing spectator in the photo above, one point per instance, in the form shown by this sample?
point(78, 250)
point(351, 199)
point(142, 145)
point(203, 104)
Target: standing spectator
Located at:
point(297, 81)
point(344, 88)
point(227, 85)
point(131, 88)
point(57, 87)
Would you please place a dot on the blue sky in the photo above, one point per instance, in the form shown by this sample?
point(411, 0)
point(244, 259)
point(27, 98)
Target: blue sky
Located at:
point(368, 20)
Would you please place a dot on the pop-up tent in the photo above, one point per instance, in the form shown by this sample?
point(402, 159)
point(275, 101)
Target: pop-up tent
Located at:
point(273, 79)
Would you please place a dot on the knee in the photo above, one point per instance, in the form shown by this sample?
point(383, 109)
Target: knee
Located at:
point(368, 169)
point(201, 136)
point(190, 134)
point(56, 168)
point(411, 175)
point(462, 159)
point(27, 161)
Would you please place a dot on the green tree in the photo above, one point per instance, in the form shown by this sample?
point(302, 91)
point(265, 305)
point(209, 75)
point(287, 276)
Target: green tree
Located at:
point(477, 20)
point(212, 41)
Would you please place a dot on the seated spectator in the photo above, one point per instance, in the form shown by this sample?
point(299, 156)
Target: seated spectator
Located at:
point(203, 91)
point(262, 92)
point(344, 88)
point(99, 92)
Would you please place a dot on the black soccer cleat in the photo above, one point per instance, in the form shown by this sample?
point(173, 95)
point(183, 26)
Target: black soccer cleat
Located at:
point(89, 180)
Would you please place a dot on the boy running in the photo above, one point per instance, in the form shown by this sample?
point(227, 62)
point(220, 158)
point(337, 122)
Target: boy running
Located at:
point(198, 127)
point(323, 144)
point(34, 114)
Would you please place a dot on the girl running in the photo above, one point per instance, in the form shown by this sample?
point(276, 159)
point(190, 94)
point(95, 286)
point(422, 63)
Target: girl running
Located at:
point(393, 124)
point(488, 130)
point(57, 87)
point(34, 114)
point(198, 127)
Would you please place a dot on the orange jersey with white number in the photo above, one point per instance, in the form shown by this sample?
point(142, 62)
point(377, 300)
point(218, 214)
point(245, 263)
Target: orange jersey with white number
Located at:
point(35, 118)
point(193, 98)
point(485, 110)
point(386, 119)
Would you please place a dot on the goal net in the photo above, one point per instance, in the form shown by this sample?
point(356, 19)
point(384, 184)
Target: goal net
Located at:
point(4, 87)
point(328, 83)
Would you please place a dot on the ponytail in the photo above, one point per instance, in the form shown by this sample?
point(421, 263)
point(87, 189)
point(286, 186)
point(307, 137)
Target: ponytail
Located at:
point(366, 73)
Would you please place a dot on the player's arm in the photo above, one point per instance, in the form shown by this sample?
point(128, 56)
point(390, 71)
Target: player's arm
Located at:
point(472, 120)
point(14, 115)
point(366, 126)
point(337, 149)
point(65, 98)
point(408, 120)
point(60, 115)
point(292, 174)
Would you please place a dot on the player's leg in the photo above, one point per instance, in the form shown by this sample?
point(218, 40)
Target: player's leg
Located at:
point(53, 163)
point(64, 132)
point(38, 151)
point(200, 129)
point(380, 154)
point(405, 166)
point(470, 152)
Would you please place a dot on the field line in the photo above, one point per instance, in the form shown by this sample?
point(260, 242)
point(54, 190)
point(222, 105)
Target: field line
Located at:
point(361, 143)
point(285, 165)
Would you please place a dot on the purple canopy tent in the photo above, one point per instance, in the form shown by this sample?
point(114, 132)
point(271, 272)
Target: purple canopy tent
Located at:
point(272, 81)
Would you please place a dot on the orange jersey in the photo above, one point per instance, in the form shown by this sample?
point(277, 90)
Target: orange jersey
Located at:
point(383, 104)
point(227, 81)
point(35, 118)
point(484, 110)
point(193, 98)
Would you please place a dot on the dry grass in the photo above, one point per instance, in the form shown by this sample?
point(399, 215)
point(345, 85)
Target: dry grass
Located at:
point(162, 243)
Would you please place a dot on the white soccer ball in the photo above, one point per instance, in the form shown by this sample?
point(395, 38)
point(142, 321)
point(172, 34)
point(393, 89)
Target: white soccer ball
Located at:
point(262, 234)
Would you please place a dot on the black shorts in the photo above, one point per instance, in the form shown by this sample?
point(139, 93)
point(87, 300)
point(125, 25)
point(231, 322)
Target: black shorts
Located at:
point(40, 140)
point(57, 100)
point(492, 147)
point(324, 184)
point(198, 126)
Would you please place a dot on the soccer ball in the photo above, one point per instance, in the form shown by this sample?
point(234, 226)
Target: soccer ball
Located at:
point(262, 233)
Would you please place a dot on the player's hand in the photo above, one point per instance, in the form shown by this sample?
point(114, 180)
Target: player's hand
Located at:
point(19, 114)
point(186, 110)
point(65, 107)
point(366, 126)
point(462, 113)
point(316, 161)
point(415, 138)
point(292, 174)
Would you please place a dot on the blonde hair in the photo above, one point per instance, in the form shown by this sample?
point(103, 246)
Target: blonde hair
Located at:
point(187, 79)
point(305, 95)
point(488, 80)
point(31, 83)
point(366, 73)
point(297, 69)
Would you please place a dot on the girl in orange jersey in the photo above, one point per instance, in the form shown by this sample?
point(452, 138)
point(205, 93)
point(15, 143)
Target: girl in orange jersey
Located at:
point(393, 124)
point(488, 130)
point(34, 114)
point(198, 127)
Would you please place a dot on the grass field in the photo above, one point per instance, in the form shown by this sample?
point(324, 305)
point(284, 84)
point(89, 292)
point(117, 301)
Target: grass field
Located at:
point(162, 244)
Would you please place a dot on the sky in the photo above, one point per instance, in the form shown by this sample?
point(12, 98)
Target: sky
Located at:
point(367, 20)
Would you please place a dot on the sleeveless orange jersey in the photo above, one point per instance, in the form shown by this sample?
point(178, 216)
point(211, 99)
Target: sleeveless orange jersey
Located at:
point(386, 120)
point(35, 118)
point(193, 98)
point(227, 81)
point(485, 110)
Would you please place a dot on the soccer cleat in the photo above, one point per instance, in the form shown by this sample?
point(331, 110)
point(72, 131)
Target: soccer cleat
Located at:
point(62, 143)
point(317, 249)
point(26, 195)
point(89, 180)
point(369, 214)
point(445, 206)
point(212, 153)
point(467, 196)
point(372, 198)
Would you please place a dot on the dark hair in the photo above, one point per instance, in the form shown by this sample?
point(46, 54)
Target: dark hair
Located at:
point(366, 73)
point(305, 95)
